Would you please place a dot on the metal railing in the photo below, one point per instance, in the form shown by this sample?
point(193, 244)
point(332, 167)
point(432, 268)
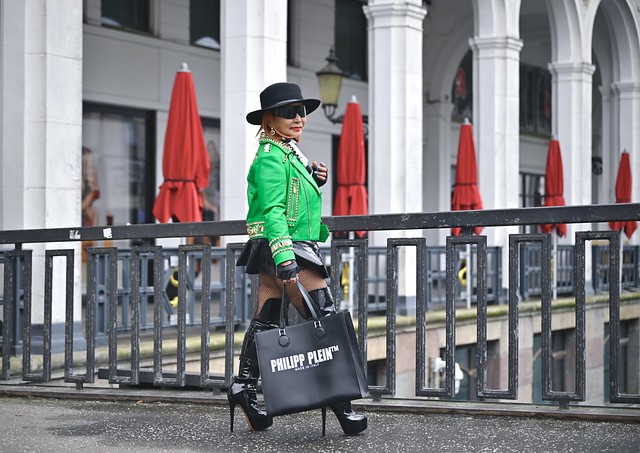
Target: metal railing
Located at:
point(435, 284)
point(630, 268)
point(18, 266)
point(530, 283)
point(169, 288)
point(531, 270)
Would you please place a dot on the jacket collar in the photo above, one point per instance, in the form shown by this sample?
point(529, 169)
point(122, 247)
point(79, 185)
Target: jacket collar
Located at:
point(302, 170)
point(290, 155)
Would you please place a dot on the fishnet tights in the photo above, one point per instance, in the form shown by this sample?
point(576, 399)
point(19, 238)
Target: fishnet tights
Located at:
point(270, 287)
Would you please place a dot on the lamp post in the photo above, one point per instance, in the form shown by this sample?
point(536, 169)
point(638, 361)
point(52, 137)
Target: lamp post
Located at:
point(330, 82)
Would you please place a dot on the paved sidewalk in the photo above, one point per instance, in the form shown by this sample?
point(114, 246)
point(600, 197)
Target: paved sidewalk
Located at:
point(35, 424)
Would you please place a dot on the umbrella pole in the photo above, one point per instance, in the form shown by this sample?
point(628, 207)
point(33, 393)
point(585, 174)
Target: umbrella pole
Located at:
point(554, 268)
point(350, 260)
point(469, 274)
point(620, 258)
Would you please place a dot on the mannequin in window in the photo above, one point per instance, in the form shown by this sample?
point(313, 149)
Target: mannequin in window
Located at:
point(90, 187)
point(211, 195)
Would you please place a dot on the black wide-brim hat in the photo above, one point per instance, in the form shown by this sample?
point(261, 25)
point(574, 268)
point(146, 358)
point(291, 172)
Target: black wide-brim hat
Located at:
point(280, 94)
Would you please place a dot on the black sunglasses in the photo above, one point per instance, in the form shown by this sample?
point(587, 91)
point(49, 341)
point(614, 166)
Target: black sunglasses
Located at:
point(290, 111)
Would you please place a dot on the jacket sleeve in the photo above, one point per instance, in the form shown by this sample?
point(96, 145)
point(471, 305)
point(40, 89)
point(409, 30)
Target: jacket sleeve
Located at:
point(271, 183)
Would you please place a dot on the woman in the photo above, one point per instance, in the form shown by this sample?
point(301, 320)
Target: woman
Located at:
point(283, 224)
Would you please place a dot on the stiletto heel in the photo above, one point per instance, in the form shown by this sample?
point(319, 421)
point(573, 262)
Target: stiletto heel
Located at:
point(242, 390)
point(243, 394)
point(232, 407)
point(351, 422)
point(324, 421)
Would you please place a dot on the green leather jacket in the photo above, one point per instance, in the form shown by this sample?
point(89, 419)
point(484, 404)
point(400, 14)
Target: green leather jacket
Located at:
point(285, 203)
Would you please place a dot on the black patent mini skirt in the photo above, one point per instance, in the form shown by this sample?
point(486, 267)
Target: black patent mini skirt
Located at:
point(256, 256)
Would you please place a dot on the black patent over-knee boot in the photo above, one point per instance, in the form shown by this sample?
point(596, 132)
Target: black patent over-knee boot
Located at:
point(324, 300)
point(351, 422)
point(242, 390)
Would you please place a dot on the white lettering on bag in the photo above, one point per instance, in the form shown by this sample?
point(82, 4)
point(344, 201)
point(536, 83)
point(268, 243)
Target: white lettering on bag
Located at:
point(299, 362)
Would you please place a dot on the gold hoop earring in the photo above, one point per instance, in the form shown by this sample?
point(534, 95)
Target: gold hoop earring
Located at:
point(272, 131)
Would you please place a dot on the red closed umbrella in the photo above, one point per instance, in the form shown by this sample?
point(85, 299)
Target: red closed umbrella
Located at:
point(554, 186)
point(466, 193)
point(185, 163)
point(351, 195)
point(623, 194)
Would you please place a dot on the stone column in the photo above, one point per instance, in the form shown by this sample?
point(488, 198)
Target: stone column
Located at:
point(395, 103)
point(436, 167)
point(253, 55)
point(604, 143)
point(571, 103)
point(571, 123)
point(12, 45)
point(395, 129)
point(496, 114)
point(42, 137)
point(496, 118)
point(627, 112)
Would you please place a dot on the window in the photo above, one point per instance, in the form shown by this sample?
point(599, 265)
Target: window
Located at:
point(535, 96)
point(531, 194)
point(462, 90)
point(465, 356)
point(562, 342)
point(129, 14)
point(628, 378)
point(531, 190)
point(211, 129)
point(204, 17)
point(535, 100)
point(292, 26)
point(466, 359)
point(118, 159)
point(377, 372)
point(536, 388)
point(351, 39)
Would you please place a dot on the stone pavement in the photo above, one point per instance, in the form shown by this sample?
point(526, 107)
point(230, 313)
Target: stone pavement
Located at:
point(37, 419)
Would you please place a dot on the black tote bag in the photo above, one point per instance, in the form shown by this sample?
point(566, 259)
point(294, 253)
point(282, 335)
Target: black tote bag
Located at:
point(310, 365)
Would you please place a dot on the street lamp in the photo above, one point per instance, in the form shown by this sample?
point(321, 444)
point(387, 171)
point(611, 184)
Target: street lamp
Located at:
point(330, 81)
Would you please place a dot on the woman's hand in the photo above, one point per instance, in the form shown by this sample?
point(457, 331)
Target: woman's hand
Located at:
point(288, 272)
point(319, 172)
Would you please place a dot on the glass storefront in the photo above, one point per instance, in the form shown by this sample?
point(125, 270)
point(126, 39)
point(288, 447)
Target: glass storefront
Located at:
point(118, 166)
point(211, 129)
point(118, 163)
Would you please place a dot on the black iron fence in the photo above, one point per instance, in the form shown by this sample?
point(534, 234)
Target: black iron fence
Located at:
point(531, 270)
point(435, 258)
point(146, 281)
point(630, 268)
point(169, 285)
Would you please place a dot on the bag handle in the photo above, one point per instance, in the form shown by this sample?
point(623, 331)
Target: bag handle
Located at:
point(308, 301)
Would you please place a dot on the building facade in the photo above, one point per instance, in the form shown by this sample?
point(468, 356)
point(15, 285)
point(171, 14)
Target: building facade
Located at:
point(99, 77)
point(86, 89)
